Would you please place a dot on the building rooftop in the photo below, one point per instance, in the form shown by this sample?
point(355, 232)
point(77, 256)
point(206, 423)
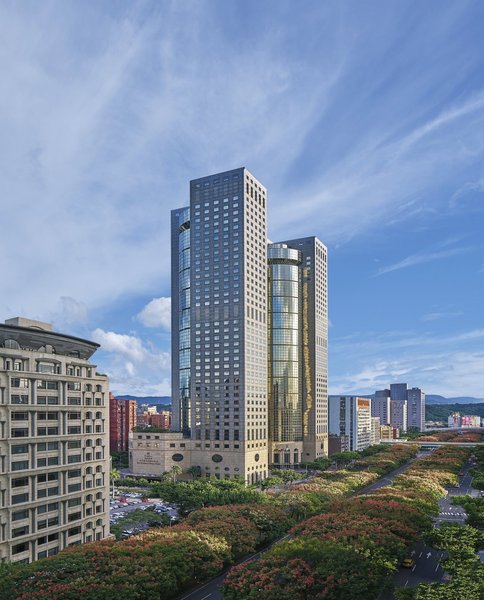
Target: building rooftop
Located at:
point(26, 334)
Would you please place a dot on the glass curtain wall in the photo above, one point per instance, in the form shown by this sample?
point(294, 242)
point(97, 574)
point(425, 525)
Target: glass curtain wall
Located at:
point(184, 319)
point(285, 405)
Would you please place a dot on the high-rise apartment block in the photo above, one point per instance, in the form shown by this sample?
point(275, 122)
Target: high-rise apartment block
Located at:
point(54, 457)
point(381, 406)
point(122, 419)
point(400, 407)
point(351, 416)
point(416, 408)
point(249, 337)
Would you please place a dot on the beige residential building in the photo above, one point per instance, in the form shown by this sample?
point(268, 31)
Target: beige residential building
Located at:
point(54, 442)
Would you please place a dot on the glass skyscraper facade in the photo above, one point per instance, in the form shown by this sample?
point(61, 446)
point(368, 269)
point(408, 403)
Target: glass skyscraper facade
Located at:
point(298, 359)
point(219, 308)
point(249, 335)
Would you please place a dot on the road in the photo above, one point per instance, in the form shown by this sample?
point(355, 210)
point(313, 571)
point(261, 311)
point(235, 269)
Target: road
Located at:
point(427, 567)
point(212, 589)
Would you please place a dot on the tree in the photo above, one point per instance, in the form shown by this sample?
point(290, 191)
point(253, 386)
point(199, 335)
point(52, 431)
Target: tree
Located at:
point(114, 475)
point(195, 471)
point(175, 470)
point(344, 458)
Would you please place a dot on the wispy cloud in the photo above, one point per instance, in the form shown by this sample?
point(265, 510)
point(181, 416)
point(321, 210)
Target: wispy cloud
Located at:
point(442, 364)
point(436, 316)
point(424, 257)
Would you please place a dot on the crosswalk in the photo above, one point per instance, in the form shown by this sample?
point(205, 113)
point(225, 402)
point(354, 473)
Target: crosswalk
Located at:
point(452, 514)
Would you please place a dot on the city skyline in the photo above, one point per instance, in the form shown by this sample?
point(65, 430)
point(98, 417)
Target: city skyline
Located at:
point(364, 122)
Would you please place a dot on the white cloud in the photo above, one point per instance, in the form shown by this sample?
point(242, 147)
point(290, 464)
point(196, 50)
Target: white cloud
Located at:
point(156, 313)
point(119, 343)
point(436, 316)
point(133, 367)
point(450, 365)
point(417, 259)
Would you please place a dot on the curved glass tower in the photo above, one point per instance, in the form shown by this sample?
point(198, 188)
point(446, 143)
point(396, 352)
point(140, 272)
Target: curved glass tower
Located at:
point(285, 398)
point(181, 321)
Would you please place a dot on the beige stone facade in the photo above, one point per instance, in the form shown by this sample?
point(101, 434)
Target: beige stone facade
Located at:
point(152, 454)
point(54, 442)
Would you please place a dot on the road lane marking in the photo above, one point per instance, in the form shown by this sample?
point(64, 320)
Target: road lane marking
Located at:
point(420, 554)
point(207, 596)
point(413, 568)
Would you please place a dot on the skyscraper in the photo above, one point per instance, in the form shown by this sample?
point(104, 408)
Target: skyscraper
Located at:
point(399, 406)
point(219, 319)
point(249, 339)
point(381, 406)
point(54, 442)
point(298, 359)
point(416, 408)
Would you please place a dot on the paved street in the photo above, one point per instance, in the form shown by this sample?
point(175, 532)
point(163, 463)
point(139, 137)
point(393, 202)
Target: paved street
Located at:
point(212, 589)
point(427, 568)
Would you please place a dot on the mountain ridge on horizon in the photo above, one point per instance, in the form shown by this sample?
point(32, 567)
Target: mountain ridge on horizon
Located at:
point(429, 399)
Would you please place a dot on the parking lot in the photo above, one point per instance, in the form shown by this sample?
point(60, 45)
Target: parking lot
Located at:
point(123, 504)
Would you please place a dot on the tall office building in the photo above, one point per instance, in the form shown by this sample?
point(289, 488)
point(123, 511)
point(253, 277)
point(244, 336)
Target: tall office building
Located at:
point(54, 442)
point(249, 339)
point(219, 325)
point(416, 408)
point(297, 342)
point(351, 416)
point(381, 406)
point(399, 405)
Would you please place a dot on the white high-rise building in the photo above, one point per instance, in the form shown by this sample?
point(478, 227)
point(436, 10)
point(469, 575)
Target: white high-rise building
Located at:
point(351, 416)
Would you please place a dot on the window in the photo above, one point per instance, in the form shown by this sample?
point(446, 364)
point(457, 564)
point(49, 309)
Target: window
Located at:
point(18, 382)
point(20, 432)
point(20, 482)
point(19, 465)
point(20, 514)
point(18, 548)
point(20, 449)
point(19, 498)
point(19, 531)
point(19, 399)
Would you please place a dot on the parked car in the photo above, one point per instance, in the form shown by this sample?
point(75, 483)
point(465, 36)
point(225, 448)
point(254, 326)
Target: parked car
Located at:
point(408, 562)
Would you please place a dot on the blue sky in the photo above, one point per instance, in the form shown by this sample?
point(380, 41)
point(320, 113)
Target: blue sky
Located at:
point(365, 121)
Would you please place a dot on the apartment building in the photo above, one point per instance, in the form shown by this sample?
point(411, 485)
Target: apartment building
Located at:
point(54, 442)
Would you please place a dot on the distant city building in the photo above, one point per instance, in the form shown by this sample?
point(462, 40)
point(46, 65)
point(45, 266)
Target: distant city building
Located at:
point(387, 433)
point(381, 406)
point(54, 440)
point(454, 420)
point(416, 409)
point(160, 420)
point(338, 443)
point(375, 431)
point(351, 416)
point(399, 406)
point(249, 337)
point(122, 419)
point(458, 420)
